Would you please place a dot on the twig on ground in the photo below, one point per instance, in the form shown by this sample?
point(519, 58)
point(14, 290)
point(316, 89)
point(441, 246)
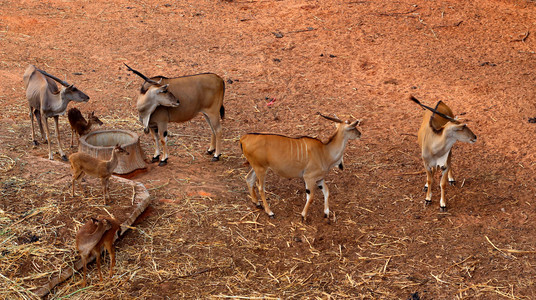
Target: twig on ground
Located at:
point(523, 38)
point(453, 25)
point(399, 13)
point(501, 251)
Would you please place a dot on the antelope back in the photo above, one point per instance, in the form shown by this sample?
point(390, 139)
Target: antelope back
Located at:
point(74, 115)
point(437, 122)
point(89, 235)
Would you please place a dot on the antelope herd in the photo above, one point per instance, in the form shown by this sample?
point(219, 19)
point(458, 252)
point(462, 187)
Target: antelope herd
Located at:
point(162, 100)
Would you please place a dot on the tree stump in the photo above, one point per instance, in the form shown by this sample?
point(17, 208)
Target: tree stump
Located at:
point(100, 144)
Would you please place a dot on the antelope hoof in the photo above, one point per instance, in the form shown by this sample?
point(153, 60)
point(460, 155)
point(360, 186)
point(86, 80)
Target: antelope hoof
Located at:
point(210, 152)
point(155, 159)
point(162, 162)
point(35, 143)
point(64, 157)
point(272, 216)
point(427, 202)
point(452, 182)
point(216, 158)
point(443, 209)
point(425, 189)
point(326, 216)
point(259, 206)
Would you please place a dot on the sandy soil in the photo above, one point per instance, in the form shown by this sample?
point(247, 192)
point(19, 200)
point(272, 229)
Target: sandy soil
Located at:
point(356, 59)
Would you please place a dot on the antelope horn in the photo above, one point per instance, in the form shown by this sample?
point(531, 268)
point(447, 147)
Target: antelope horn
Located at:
point(337, 120)
point(64, 83)
point(141, 75)
point(431, 109)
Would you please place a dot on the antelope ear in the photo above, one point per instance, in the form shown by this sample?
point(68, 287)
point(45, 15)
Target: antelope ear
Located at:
point(145, 120)
point(355, 123)
point(164, 88)
point(461, 127)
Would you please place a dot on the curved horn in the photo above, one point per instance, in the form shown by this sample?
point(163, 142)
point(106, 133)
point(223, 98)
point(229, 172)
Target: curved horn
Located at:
point(64, 83)
point(141, 75)
point(431, 109)
point(331, 118)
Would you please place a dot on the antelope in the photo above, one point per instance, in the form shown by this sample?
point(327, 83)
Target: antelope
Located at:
point(303, 157)
point(158, 104)
point(92, 237)
point(438, 133)
point(82, 163)
point(79, 124)
point(46, 100)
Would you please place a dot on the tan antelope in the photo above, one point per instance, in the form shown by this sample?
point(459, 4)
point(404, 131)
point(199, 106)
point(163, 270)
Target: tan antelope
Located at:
point(79, 125)
point(46, 100)
point(82, 163)
point(92, 237)
point(304, 157)
point(438, 133)
point(158, 104)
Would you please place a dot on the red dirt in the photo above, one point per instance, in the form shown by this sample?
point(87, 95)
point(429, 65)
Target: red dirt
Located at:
point(355, 59)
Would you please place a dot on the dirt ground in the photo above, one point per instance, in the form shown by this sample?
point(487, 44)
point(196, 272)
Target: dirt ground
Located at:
point(283, 61)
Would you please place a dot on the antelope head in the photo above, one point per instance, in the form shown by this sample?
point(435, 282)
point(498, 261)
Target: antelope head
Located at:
point(440, 122)
point(70, 92)
point(149, 99)
point(349, 129)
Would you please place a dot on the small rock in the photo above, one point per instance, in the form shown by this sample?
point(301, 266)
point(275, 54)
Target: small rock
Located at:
point(414, 296)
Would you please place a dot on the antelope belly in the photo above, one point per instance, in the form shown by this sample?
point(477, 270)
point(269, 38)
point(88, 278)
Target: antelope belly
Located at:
point(439, 162)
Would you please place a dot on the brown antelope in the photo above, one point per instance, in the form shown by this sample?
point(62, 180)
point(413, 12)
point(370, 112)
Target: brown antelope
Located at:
point(304, 157)
point(82, 163)
point(158, 104)
point(79, 124)
point(46, 100)
point(92, 237)
point(438, 133)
